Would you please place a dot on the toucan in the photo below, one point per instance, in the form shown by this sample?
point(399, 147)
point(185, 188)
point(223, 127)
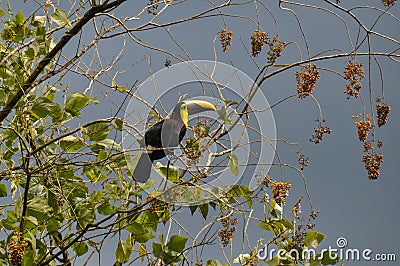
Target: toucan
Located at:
point(160, 139)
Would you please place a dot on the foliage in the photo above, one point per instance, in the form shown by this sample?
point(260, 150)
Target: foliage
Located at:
point(66, 186)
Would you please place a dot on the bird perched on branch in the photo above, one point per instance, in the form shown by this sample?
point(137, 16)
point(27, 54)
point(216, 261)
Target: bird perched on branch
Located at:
point(160, 139)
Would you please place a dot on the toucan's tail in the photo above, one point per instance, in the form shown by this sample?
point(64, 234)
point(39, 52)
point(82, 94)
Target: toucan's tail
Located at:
point(143, 168)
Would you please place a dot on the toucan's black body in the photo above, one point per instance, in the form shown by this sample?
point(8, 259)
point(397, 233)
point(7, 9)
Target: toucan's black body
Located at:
point(160, 139)
point(161, 142)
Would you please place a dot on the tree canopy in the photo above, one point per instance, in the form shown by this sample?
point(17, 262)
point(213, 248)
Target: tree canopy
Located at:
point(81, 81)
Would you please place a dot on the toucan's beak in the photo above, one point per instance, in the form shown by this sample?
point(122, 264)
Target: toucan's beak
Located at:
point(197, 106)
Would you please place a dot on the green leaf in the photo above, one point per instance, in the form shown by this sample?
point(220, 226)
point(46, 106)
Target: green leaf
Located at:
point(173, 173)
point(157, 249)
point(19, 19)
point(2, 12)
point(274, 207)
point(136, 228)
point(94, 174)
point(247, 194)
point(120, 88)
point(106, 209)
point(3, 190)
point(204, 210)
point(213, 263)
point(78, 190)
point(230, 102)
point(85, 215)
point(193, 142)
point(40, 36)
point(205, 130)
point(10, 222)
point(80, 248)
point(108, 143)
point(38, 20)
point(102, 155)
point(193, 208)
point(117, 123)
point(149, 220)
point(98, 131)
point(313, 238)
point(72, 143)
point(124, 251)
point(177, 243)
point(31, 222)
point(171, 258)
point(235, 191)
point(222, 115)
point(20, 31)
point(233, 163)
point(330, 258)
point(99, 146)
point(7, 76)
point(165, 215)
point(143, 238)
point(4, 95)
point(29, 257)
point(326, 258)
point(44, 107)
point(142, 251)
point(75, 102)
point(275, 261)
point(31, 239)
point(277, 226)
point(61, 18)
point(53, 225)
point(38, 208)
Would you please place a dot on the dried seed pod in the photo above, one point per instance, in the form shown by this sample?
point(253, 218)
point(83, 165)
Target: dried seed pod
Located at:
point(225, 37)
point(319, 132)
point(363, 128)
point(353, 73)
point(388, 3)
point(383, 111)
point(258, 39)
point(280, 190)
point(306, 80)
point(372, 162)
point(276, 47)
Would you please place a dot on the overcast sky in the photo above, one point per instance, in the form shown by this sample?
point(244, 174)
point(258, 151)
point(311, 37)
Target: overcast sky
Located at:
point(365, 212)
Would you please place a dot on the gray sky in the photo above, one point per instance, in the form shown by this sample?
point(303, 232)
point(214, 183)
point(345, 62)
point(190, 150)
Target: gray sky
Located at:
point(365, 212)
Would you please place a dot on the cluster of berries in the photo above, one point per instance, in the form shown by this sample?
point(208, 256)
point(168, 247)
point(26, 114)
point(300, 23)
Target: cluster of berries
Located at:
point(319, 131)
point(388, 3)
point(363, 127)
point(353, 73)
point(229, 230)
point(306, 80)
point(382, 111)
point(280, 190)
point(17, 248)
point(372, 162)
point(225, 37)
point(258, 39)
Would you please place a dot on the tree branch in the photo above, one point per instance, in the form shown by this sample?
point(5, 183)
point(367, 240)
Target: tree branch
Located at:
point(29, 82)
